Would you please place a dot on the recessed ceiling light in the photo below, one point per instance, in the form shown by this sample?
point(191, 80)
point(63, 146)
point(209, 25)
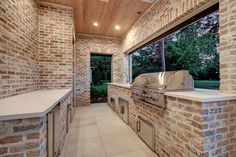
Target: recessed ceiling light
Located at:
point(117, 27)
point(105, 1)
point(95, 24)
point(149, 1)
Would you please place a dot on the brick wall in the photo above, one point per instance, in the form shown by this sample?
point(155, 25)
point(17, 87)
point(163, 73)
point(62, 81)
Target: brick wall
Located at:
point(160, 15)
point(36, 46)
point(186, 128)
point(227, 45)
point(18, 46)
point(23, 137)
point(94, 44)
point(55, 51)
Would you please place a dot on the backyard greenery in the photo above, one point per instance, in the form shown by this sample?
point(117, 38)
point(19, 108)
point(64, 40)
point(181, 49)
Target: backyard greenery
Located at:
point(101, 75)
point(208, 84)
point(193, 48)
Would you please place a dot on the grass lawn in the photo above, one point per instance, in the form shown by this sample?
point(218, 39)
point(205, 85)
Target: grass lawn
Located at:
point(207, 84)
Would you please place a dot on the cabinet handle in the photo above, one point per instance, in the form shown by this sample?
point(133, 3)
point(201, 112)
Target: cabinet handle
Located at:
point(138, 126)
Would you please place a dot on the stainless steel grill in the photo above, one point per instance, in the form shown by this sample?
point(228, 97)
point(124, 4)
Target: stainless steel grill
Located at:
point(151, 87)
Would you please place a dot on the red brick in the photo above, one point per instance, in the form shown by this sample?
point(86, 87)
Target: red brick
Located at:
point(11, 139)
point(33, 136)
point(33, 154)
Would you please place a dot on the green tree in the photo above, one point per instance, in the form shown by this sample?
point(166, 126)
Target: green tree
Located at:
point(146, 60)
point(194, 48)
point(101, 66)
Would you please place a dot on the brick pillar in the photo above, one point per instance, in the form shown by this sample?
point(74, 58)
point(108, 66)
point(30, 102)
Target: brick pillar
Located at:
point(227, 32)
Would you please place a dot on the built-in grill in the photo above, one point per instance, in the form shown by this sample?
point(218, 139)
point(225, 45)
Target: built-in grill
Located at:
point(151, 87)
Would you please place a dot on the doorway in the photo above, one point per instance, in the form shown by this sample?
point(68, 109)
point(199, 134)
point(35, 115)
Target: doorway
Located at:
point(100, 74)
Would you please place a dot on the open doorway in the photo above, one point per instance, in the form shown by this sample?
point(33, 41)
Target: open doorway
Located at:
point(100, 74)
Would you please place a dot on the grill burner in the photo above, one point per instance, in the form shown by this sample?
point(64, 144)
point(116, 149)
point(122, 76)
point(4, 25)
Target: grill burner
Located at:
point(150, 87)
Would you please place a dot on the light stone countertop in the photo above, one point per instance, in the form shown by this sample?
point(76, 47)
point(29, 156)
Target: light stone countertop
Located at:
point(121, 85)
point(33, 104)
point(200, 95)
point(203, 95)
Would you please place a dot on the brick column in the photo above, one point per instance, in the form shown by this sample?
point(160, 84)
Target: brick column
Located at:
point(227, 32)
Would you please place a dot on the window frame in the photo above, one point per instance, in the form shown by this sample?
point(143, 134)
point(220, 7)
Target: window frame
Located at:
point(182, 25)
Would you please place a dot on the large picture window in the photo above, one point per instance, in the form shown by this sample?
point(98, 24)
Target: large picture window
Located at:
point(193, 47)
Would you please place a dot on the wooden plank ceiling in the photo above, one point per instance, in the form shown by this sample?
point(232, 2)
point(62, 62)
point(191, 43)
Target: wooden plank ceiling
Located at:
point(107, 13)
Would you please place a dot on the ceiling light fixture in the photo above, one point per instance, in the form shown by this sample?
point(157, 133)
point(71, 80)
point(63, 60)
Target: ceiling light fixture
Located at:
point(149, 1)
point(95, 24)
point(117, 27)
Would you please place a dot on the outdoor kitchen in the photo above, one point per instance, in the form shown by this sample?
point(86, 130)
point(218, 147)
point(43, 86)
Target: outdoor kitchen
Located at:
point(192, 120)
point(117, 78)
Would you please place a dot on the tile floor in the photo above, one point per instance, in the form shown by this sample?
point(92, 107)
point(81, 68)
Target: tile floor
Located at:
point(97, 131)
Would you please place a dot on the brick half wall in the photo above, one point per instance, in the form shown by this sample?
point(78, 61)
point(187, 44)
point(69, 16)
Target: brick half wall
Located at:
point(186, 128)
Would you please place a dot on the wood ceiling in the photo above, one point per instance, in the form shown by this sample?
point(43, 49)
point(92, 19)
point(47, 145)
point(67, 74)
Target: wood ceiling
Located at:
point(107, 14)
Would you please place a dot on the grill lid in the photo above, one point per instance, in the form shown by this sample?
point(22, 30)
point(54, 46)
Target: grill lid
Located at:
point(151, 87)
point(171, 80)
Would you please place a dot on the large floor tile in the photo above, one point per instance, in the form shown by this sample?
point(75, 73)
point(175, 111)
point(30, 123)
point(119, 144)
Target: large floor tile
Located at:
point(108, 129)
point(136, 153)
point(77, 123)
point(84, 133)
point(86, 148)
point(97, 131)
point(119, 143)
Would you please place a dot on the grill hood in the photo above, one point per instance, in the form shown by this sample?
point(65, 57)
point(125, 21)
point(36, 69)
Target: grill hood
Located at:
point(150, 87)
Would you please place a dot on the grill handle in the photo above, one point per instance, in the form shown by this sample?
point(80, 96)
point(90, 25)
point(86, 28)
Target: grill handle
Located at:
point(138, 126)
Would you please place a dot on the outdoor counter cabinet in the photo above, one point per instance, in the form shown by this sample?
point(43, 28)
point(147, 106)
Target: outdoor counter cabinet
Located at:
point(25, 124)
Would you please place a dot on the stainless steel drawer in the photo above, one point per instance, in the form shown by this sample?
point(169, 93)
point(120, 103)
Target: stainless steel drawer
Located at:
point(146, 132)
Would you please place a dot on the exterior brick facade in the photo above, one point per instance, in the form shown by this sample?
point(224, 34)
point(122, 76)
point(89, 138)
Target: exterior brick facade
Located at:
point(55, 47)
point(36, 46)
point(227, 45)
point(162, 14)
point(87, 45)
point(186, 128)
point(18, 47)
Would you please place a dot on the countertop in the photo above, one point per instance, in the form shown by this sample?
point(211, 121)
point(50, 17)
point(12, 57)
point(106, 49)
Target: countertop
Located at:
point(203, 95)
point(200, 95)
point(33, 104)
point(121, 85)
